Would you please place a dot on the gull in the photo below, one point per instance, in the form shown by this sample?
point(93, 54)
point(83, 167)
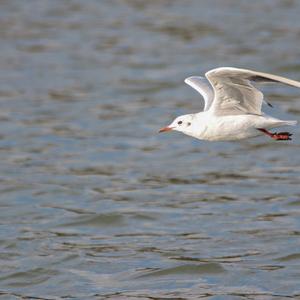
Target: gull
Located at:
point(233, 107)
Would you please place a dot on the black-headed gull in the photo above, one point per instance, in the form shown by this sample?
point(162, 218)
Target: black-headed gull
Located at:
point(232, 109)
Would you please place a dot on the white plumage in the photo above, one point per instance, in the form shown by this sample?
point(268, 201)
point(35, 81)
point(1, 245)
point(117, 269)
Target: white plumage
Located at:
point(233, 107)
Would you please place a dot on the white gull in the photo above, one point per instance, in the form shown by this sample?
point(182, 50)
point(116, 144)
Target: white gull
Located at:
point(232, 109)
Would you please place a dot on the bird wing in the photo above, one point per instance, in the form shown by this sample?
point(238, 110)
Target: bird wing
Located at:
point(234, 92)
point(201, 85)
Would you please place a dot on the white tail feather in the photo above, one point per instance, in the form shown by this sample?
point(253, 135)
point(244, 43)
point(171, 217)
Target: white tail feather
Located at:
point(290, 123)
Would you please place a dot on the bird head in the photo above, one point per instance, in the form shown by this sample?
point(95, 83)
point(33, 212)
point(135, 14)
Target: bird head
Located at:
point(181, 123)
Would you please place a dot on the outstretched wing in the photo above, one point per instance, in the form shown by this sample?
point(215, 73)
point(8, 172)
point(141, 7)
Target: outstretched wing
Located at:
point(234, 92)
point(201, 85)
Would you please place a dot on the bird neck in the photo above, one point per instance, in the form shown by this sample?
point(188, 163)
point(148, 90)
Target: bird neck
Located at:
point(198, 125)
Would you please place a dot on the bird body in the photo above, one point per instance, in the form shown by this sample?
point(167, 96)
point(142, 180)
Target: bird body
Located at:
point(206, 126)
point(232, 108)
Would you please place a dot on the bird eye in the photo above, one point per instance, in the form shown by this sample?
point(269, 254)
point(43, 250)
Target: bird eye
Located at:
point(189, 124)
point(179, 122)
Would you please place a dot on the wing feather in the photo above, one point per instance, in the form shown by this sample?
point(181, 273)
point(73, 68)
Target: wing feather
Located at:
point(234, 92)
point(202, 86)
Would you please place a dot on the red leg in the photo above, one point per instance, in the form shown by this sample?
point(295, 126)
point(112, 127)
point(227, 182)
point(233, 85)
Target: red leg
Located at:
point(280, 136)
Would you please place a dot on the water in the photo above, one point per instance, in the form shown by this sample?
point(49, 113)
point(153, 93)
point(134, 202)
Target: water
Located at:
point(94, 203)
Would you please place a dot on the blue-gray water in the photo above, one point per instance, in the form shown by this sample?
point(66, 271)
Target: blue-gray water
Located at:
point(94, 203)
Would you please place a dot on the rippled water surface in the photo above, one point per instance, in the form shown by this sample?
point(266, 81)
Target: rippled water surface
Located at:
point(94, 203)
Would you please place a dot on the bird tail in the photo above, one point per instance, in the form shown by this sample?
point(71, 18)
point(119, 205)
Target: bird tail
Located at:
point(290, 123)
point(277, 123)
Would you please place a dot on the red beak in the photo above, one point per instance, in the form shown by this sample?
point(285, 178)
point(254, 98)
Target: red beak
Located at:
point(164, 129)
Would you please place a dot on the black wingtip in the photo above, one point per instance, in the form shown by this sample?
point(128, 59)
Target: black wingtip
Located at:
point(269, 104)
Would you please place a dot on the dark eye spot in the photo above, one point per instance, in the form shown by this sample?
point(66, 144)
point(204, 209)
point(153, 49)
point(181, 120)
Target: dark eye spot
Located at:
point(179, 122)
point(189, 124)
